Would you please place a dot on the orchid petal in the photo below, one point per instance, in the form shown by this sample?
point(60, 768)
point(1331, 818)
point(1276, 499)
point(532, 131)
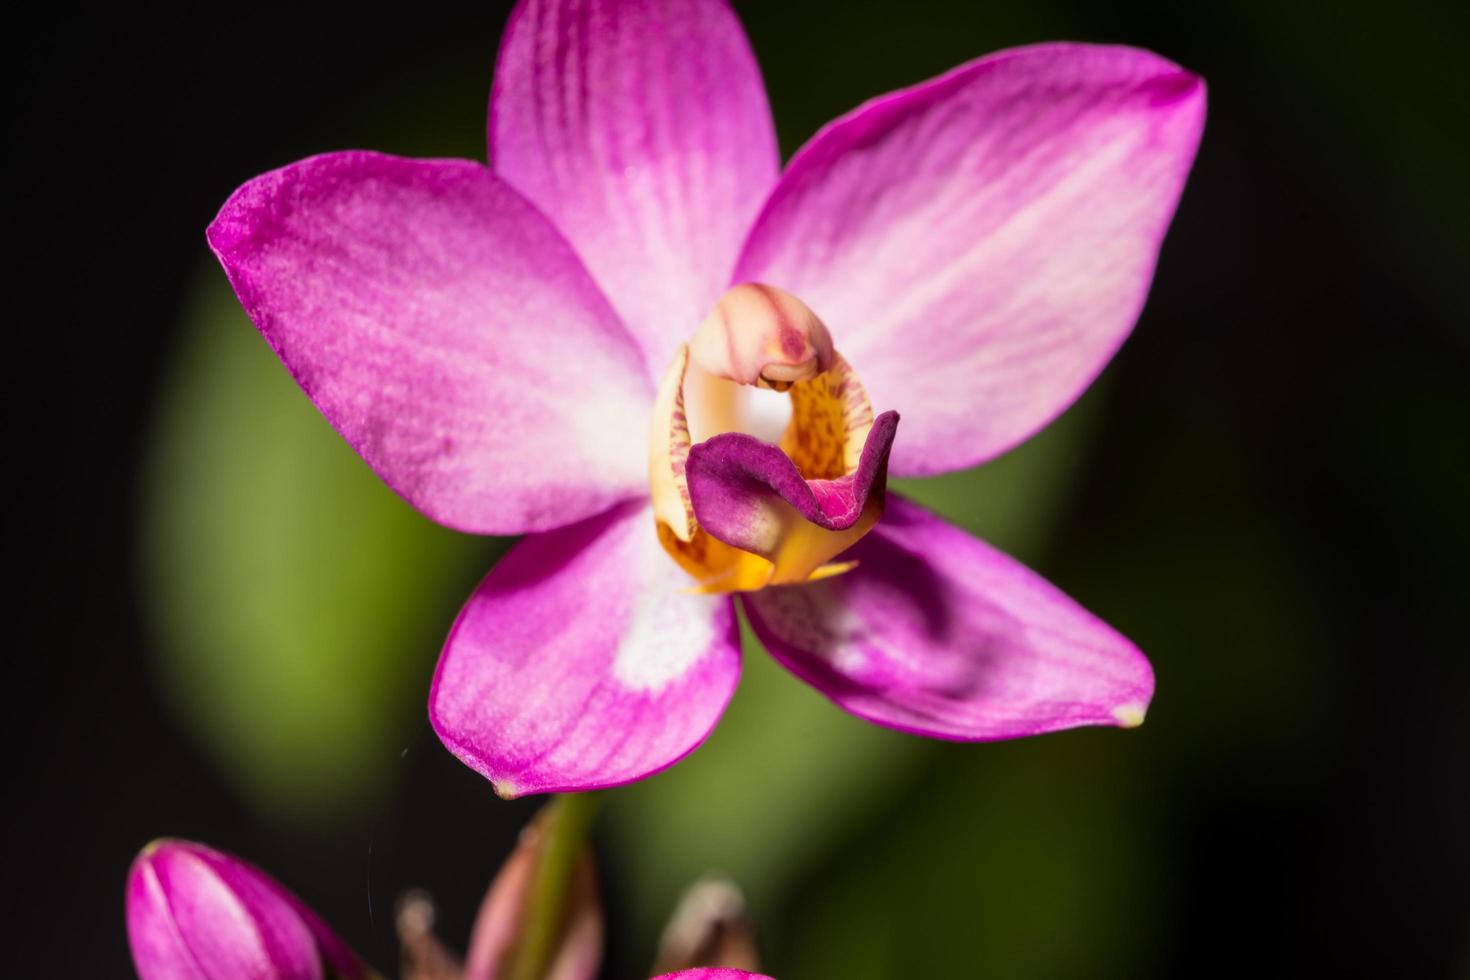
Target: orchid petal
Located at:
point(445, 328)
point(641, 127)
point(713, 973)
point(981, 244)
point(750, 495)
point(937, 633)
point(583, 661)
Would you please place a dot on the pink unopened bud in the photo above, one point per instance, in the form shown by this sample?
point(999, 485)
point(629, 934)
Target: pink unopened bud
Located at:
point(763, 336)
point(576, 951)
point(197, 914)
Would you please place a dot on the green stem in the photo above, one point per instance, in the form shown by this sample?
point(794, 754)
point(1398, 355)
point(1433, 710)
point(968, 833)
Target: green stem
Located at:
point(563, 835)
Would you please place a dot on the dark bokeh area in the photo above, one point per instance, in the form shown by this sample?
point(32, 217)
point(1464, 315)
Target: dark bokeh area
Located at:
point(1267, 491)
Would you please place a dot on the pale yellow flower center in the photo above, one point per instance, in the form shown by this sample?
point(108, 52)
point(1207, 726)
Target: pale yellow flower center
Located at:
point(761, 363)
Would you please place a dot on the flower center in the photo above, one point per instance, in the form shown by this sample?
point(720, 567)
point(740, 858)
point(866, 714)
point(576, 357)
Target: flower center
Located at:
point(762, 428)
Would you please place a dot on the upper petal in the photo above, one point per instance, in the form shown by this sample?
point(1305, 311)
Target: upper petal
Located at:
point(937, 633)
point(980, 244)
point(448, 331)
point(583, 661)
point(641, 127)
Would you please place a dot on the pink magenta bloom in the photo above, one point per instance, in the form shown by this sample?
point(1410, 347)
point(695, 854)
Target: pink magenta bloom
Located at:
point(197, 914)
point(679, 370)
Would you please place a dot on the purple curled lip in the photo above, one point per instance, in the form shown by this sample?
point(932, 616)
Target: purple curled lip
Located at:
point(735, 477)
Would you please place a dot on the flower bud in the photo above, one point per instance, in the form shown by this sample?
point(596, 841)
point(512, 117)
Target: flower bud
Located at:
point(575, 951)
point(709, 928)
point(197, 914)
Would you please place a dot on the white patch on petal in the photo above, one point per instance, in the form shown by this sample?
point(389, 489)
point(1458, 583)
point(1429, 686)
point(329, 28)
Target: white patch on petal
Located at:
point(814, 620)
point(849, 660)
point(669, 629)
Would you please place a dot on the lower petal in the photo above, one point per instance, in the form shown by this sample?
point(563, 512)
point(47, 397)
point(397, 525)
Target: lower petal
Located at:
point(937, 633)
point(582, 661)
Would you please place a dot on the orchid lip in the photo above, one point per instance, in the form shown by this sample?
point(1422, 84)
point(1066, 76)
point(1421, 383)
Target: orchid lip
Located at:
point(741, 504)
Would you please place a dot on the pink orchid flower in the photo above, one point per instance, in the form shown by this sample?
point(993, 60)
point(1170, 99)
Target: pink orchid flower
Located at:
point(678, 369)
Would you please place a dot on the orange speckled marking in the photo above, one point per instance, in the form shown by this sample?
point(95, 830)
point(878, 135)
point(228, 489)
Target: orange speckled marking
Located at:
point(830, 420)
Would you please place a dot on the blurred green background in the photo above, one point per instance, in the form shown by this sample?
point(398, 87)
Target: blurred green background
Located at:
point(1267, 491)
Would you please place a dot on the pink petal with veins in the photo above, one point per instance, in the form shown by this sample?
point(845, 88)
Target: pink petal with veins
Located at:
point(641, 127)
point(980, 244)
point(448, 331)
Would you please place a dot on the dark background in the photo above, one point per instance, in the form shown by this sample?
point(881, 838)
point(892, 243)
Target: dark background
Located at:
point(1271, 498)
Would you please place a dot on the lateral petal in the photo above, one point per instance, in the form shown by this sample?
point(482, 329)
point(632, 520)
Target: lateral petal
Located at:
point(981, 243)
point(937, 633)
point(447, 331)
